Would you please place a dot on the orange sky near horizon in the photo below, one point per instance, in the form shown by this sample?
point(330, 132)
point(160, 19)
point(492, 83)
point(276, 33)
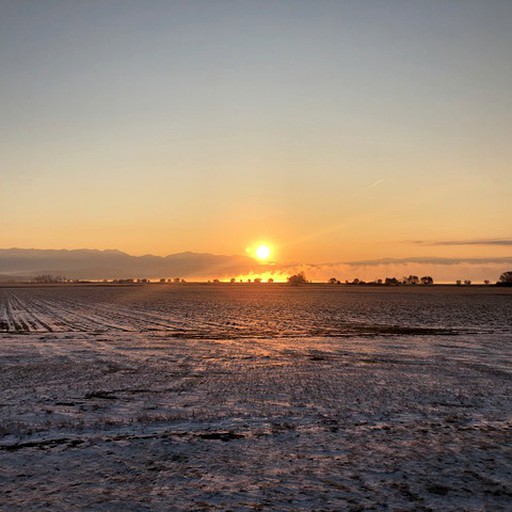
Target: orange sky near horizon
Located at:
point(334, 131)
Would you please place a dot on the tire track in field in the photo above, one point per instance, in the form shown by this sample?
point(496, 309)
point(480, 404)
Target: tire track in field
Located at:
point(133, 317)
point(6, 323)
point(46, 315)
point(23, 314)
point(50, 315)
point(57, 320)
point(29, 320)
point(142, 320)
point(13, 315)
point(41, 318)
point(80, 318)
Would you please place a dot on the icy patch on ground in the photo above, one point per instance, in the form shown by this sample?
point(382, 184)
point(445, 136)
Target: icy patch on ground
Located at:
point(157, 424)
point(133, 420)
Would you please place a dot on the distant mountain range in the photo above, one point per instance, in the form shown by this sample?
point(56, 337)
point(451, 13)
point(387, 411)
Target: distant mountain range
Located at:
point(112, 264)
point(24, 264)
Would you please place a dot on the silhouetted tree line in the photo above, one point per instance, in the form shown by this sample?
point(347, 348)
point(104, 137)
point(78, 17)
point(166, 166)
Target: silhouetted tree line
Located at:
point(389, 281)
point(297, 279)
point(48, 278)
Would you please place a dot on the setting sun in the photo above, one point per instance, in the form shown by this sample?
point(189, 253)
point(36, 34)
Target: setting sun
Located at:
point(263, 252)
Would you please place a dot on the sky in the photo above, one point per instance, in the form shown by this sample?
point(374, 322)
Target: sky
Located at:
point(335, 131)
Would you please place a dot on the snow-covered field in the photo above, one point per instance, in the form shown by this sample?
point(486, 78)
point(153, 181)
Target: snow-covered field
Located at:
point(171, 398)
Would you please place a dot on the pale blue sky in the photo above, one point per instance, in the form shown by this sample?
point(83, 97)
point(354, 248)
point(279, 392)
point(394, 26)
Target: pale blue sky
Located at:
point(160, 126)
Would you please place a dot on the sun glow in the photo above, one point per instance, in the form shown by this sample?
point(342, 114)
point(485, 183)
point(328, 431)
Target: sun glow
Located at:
point(260, 251)
point(263, 252)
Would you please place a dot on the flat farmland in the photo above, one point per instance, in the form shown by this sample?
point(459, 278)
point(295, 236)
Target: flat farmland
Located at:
point(262, 397)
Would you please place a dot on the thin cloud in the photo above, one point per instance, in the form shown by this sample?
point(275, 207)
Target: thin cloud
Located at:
point(505, 242)
point(430, 261)
point(376, 183)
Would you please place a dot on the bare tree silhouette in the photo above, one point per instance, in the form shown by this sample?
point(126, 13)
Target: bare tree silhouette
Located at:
point(505, 279)
point(297, 279)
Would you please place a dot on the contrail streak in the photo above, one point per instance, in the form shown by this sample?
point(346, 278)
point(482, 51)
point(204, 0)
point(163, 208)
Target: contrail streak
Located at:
point(376, 183)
